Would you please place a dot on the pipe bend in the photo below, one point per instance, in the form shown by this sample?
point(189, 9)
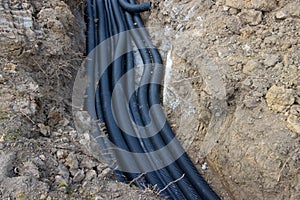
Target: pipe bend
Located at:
point(135, 8)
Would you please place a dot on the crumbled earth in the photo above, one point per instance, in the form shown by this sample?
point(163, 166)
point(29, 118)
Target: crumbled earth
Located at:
point(42, 155)
point(234, 87)
point(232, 93)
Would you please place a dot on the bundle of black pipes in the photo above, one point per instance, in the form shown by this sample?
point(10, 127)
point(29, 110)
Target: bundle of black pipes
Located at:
point(105, 19)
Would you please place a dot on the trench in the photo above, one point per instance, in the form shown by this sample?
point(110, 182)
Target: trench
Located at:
point(140, 138)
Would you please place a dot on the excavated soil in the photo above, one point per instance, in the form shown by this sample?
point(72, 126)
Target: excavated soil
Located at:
point(234, 88)
point(231, 93)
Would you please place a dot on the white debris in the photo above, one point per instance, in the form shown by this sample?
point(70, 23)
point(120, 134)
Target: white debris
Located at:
point(204, 166)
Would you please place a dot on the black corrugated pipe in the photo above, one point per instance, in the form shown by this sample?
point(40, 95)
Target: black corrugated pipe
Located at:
point(184, 162)
point(153, 94)
point(105, 83)
point(157, 140)
point(111, 21)
point(163, 174)
point(118, 70)
point(135, 8)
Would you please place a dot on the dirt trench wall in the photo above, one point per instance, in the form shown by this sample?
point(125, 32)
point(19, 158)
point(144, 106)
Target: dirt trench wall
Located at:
point(42, 155)
point(249, 133)
point(45, 39)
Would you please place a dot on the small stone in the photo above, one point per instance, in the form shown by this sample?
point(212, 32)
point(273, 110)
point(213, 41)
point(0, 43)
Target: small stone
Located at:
point(42, 157)
point(88, 163)
point(71, 161)
point(263, 5)
point(246, 32)
point(234, 24)
point(63, 171)
point(278, 66)
point(250, 66)
point(101, 167)
point(44, 130)
point(105, 172)
point(61, 154)
point(60, 180)
point(39, 162)
point(279, 99)
point(84, 184)
point(10, 67)
point(252, 17)
point(293, 123)
point(226, 8)
point(271, 60)
point(291, 9)
point(250, 101)
point(79, 176)
point(233, 11)
point(295, 110)
point(91, 174)
point(281, 15)
point(64, 140)
point(294, 135)
point(43, 196)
